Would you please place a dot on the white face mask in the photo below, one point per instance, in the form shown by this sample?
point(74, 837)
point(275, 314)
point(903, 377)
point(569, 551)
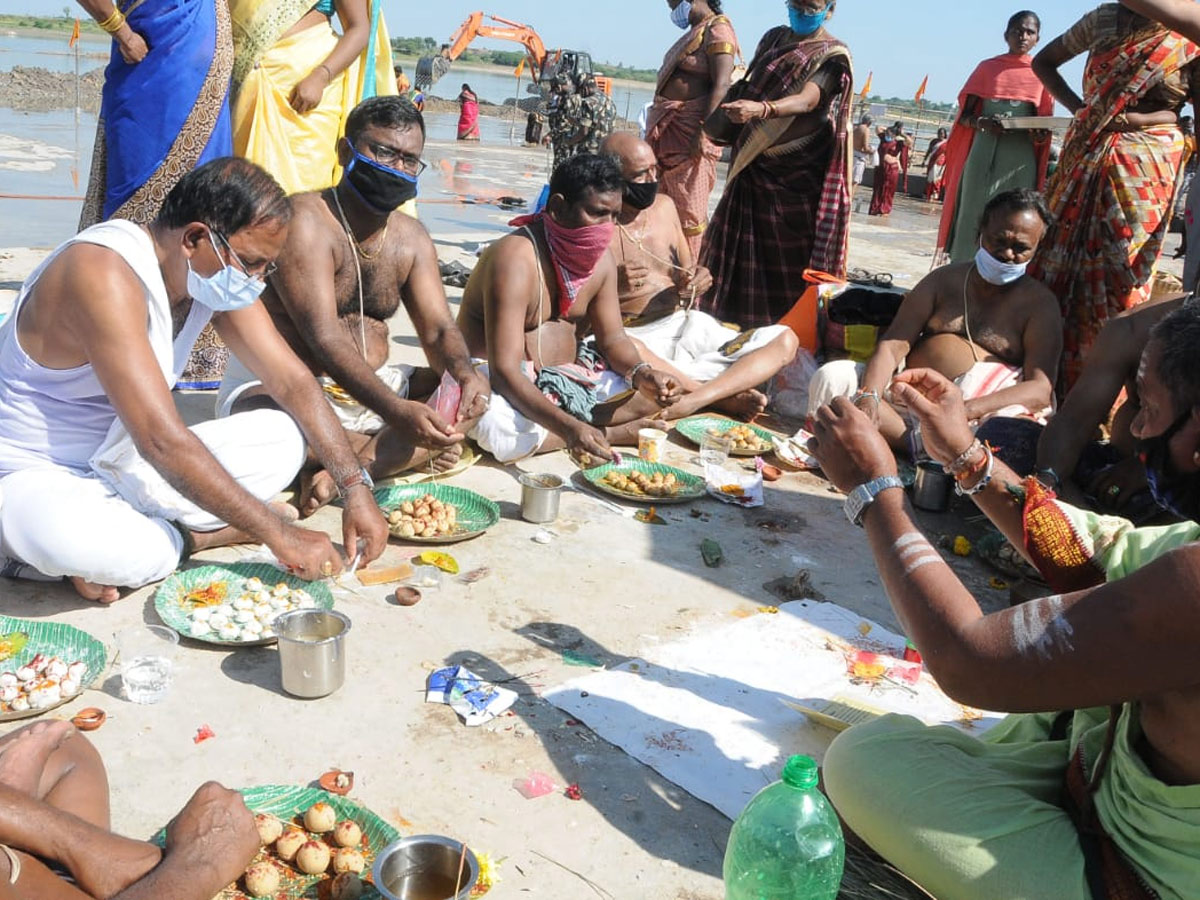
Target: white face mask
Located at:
point(229, 289)
point(993, 271)
point(681, 14)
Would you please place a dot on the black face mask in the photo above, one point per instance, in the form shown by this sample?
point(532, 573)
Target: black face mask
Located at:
point(379, 187)
point(1174, 491)
point(641, 194)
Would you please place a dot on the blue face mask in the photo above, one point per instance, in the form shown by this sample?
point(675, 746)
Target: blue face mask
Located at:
point(228, 290)
point(681, 14)
point(804, 23)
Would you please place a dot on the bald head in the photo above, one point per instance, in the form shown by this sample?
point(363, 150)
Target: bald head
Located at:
point(635, 156)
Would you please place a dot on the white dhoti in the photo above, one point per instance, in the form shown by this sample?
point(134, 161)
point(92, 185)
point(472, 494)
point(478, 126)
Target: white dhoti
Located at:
point(862, 159)
point(699, 345)
point(508, 435)
point(839, 378)
point(119, 523)
point(352, 415)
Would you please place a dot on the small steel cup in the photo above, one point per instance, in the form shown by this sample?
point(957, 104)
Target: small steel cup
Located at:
point(539, 497)
point(312, 651)
point(425, 866)
point(931, 490)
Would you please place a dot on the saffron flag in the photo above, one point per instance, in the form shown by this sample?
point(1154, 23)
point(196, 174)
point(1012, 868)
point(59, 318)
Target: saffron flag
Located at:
point(921, 89)
point(867, 87)
point(520, 68)
point(74, 35)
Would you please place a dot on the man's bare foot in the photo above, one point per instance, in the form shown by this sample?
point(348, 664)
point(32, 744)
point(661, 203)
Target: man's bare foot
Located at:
point(23, 756)
point(745, 406)
point(107, 865)
point(317, 489)
point(438, 461)
point(100, 593)
point(284, 510)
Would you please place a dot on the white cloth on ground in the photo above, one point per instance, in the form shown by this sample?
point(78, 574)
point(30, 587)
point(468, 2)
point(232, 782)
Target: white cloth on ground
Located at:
point(698, 344)
point(62, 416)
point(841, 378)
point(113, 524)
point(509, 435)
point(352, 415)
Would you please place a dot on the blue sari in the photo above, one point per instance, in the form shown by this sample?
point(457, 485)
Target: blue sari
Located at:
point(163, 116)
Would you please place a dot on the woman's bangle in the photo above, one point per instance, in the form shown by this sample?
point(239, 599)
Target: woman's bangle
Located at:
point(633, 373)
point(114, 22)
point(864, 395)
point(328, 71)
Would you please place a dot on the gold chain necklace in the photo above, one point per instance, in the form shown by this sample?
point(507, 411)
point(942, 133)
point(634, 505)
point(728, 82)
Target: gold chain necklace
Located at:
point(358, 248)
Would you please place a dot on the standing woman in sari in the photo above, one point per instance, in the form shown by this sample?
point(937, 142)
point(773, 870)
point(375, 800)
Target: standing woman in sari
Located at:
point(164, 112)
point(983, 159)
point(1112, 194)
point(468, 116)
point(295, 81)
point(692, 82)
point(893, 162)
point(935, 166)
point(786, 206)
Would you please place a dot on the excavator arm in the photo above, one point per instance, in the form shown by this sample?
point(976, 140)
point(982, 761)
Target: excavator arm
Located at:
point(432, 68)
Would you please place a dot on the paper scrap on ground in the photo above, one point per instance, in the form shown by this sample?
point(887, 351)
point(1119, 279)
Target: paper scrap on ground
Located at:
point(712, 712)
point(472, 698)
point(732, 485)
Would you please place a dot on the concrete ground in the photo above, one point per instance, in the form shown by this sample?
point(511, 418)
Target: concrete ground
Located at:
point(606, 586)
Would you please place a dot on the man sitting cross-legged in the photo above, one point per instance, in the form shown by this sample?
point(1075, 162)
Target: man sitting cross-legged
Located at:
point(985, 324)
point(350, 260)
point(532, 299)
point(659, 283)
point(54, 812)
point(100, 479)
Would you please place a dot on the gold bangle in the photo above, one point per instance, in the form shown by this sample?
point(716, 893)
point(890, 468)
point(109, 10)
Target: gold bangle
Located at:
point(114, 22)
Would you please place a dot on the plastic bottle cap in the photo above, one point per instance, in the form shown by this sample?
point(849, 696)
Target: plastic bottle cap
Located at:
point(800, 772)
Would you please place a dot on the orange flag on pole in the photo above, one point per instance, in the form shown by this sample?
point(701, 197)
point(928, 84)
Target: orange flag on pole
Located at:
point(867, 87)
point(921, 90)
point(520, 68)
point(74, 35)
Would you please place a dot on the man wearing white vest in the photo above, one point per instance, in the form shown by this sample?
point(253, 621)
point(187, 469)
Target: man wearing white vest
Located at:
point(101, 482)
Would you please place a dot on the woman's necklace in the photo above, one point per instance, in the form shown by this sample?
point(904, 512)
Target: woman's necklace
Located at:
point(358, 248)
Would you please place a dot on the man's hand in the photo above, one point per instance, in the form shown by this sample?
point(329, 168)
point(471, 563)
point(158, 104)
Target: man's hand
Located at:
point(938, 404)
point(634, 274)
point(306, 96)
point(989, 125)
point(131, 44)
point(660, 387)
point(308, 554)
point(215, 833)
point(476, 397)
point(868, 405)
point(424, 427)
point(363, 520)
point(1115, 487)
point(699, 280)
point(850, 449)
point(582, 438)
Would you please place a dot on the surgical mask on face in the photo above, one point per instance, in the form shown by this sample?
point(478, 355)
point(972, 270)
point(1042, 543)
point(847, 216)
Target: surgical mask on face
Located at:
point(641, 194)
point(382, 188)
point(681, 14)
point(1175, 491)
point(806, 23)
point(993, 271)
point(228, 290)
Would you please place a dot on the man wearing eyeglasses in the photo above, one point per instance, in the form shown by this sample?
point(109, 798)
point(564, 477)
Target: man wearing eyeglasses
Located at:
point(101, 482)
point(352, 257)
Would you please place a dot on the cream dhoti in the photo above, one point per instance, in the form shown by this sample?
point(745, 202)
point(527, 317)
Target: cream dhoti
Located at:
point(699, 345)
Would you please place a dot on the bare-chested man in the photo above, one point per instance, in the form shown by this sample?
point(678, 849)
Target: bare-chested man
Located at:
point(659, 282)
point(864, 150)
point(532, 299)
point(1024, 811)
point(100, 479)
point(54, 811)
point(1116, 482)
point(984, 324)
point(350, 260)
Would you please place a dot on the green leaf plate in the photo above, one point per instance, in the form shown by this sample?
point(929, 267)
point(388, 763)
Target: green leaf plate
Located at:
point(476, 513)
point(289, 803)
point(695, 427)
point(691, 486)
point(168, 600)
point(66, 642)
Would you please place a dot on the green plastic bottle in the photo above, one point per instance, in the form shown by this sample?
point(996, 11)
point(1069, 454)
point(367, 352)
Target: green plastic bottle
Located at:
point(787, 844)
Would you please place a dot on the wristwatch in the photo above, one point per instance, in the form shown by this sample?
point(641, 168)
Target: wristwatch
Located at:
point(362, 476)
point(864, 495)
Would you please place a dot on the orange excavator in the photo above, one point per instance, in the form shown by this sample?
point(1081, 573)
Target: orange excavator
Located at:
point(543, 64)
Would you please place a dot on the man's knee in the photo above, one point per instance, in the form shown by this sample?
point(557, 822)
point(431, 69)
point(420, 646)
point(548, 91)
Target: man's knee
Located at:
point(834, 379)
point(788, 345)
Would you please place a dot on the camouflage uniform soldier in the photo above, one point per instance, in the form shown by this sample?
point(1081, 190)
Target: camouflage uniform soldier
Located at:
point(599, 115)
point(565, 111)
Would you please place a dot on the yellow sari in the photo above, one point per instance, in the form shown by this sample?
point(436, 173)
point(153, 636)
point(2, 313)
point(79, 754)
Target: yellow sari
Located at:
point(299, 150)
